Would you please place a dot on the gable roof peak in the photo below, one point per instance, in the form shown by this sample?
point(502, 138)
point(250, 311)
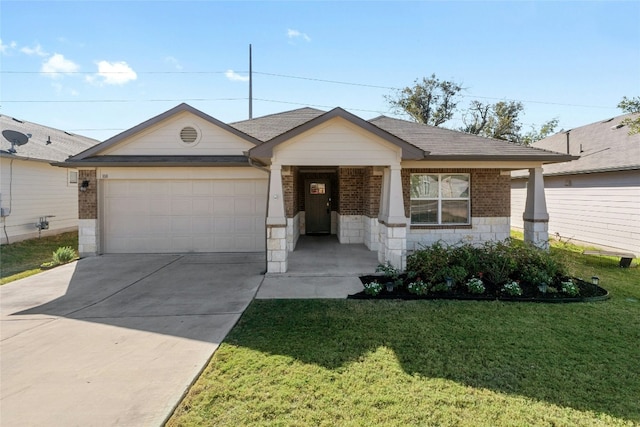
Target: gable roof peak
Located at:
point(157, 119)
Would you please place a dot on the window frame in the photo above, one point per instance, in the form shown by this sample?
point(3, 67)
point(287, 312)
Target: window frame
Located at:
point(440, 199)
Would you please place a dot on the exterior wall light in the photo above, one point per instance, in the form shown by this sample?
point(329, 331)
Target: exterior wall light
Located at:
point(84, 185)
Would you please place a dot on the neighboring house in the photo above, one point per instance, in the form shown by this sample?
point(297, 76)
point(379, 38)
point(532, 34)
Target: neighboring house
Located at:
point(186, 182)
point(594, 200)
point(32, 191)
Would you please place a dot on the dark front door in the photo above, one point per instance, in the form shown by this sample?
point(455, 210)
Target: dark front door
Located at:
point(317, 206)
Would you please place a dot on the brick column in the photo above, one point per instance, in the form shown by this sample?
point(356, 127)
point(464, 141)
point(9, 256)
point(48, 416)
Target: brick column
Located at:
point(88, 225)
point(536, 217)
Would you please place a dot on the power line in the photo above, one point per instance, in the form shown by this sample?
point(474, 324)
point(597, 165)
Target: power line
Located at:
point(101, 101)
point(288, 76)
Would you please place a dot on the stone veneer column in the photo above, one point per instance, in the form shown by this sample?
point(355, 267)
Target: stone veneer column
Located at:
point(536, 217)
point(276, 224)
point(88, 224)
point(392, 245)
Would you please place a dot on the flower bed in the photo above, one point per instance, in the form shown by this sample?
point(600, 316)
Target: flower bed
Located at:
point(509, 271)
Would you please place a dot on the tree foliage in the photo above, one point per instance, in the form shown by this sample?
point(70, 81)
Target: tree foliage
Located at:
point(431, 101)
point(631, 105)
point(502, 121)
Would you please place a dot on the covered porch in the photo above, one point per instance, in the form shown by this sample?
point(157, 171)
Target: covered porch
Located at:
point(320, 267)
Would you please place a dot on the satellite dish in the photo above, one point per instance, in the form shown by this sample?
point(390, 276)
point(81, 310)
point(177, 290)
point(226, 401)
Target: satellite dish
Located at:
point(15, 137)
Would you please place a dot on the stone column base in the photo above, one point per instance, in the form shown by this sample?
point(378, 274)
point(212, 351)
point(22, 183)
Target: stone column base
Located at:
point(277, 254)
point(88, 238)
point(392, 245)
point(537, 233)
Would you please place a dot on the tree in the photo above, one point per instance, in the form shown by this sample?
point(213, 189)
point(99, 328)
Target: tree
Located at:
point(631, 105)
point(431, 101)
point(535, 135)
point(502, 121)
point(479, 113)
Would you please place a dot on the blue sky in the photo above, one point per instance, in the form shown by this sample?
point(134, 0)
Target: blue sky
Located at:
point(98, 68)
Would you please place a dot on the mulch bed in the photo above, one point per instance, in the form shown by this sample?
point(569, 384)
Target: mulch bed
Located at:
point(588, 293)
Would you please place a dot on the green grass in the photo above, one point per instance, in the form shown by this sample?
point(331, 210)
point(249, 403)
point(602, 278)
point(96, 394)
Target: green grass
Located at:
point(417, 363)
point(23, 259)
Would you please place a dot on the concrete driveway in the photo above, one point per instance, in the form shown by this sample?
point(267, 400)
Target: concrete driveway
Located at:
point(116, 339)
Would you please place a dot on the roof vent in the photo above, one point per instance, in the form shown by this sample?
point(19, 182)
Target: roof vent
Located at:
point(188, 135)
point(48, 140)
point(618, 126)
point(607, 121)
point(16, 120)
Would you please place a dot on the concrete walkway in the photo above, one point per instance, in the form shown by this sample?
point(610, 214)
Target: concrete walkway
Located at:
point(116, 340)
point(320, 267)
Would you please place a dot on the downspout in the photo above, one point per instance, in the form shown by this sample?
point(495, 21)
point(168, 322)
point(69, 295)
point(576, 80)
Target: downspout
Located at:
point(265, 169)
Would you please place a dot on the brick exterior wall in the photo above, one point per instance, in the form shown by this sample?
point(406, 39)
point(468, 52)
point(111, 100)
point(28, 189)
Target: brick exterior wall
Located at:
point(88, 200)
point(352, 188)
point(490, 191)
point(372, 190)
point(290, 189)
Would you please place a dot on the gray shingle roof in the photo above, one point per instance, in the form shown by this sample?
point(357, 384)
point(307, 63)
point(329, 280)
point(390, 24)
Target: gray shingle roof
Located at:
point(446, 143)
point(439, 142)
point(62, 144)
point(268, 127)
point(602, 146)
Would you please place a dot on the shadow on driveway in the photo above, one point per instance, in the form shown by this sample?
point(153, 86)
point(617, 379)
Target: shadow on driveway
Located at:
point(116, 339)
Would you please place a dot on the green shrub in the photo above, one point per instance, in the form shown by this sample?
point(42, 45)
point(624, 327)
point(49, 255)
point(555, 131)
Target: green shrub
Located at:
point(418, 287)
point(64, 254)
point(390, 272)
point(512, 288)
point(475, 286)
point(372, 288)
point(428, 262)
point(569, 288)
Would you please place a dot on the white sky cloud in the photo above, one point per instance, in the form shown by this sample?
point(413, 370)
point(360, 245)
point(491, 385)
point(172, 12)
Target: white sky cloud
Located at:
point(5, 47)
point(37, 50)
point(235, 77)
point(113, 73)
point(57, 65)
point(292, 34)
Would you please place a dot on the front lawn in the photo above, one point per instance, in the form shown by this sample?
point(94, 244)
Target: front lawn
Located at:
point(23, 259)
point(375, 362)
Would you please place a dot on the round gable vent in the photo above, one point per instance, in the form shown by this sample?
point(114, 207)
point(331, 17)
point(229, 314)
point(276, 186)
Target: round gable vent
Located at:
point(188, 135)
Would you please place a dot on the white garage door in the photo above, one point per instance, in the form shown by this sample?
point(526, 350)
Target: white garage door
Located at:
point(165, 216)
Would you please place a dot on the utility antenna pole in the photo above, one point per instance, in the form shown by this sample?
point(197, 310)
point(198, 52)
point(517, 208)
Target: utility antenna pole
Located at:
point(250, 86)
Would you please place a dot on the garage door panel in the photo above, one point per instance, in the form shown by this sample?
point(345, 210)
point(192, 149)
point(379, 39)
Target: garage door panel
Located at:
point(223, 188)
point(137, 188)
point(181, 188)
point(202, 225)
point(244, 225)
point(223, 225)
point(202, 206)
point(165, 216)
point(223, 206)
point(159, 188)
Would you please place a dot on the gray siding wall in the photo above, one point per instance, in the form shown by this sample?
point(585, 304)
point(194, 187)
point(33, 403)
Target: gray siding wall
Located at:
point(602, 209)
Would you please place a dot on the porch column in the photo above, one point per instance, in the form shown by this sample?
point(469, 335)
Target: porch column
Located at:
point(393, 223)
point(536, 217)
point(276, 223)
point(88, 223)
